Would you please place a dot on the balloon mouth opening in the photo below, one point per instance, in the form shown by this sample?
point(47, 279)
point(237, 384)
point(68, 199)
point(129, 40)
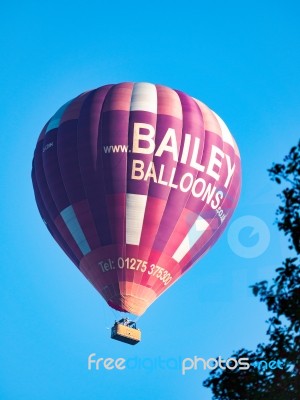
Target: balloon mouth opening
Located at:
point(116, 307)
point(129, 304)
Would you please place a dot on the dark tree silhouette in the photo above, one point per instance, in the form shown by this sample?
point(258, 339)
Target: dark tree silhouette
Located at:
point(282, 298)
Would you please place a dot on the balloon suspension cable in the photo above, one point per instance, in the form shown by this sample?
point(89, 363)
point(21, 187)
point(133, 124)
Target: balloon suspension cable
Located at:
point(136, 318)
point(105, 315)
point(130, 316)
point(114, 313)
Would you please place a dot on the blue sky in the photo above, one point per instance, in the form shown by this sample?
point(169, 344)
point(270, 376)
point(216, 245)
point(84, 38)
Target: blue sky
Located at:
point(242, 60)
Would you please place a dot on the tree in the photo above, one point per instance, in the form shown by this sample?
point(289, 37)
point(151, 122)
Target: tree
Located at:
point(282, 298)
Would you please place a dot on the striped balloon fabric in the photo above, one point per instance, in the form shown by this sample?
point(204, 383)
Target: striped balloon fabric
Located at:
point(135, 182)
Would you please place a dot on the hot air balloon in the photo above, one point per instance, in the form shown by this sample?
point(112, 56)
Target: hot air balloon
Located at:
point(135, 182)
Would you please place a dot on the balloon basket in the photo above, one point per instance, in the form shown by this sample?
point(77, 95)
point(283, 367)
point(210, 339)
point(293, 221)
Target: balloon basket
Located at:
point(126, 331)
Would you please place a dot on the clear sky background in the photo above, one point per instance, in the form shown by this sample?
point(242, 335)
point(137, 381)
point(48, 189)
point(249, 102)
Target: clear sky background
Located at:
point(242, 60)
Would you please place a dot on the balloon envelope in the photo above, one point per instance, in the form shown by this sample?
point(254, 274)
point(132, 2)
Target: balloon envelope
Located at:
point(135, 182)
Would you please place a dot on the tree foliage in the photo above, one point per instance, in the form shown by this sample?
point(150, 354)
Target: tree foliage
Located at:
point(282, 298)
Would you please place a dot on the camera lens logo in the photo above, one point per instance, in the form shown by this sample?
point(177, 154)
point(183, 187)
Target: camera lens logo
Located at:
point(248, 236)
